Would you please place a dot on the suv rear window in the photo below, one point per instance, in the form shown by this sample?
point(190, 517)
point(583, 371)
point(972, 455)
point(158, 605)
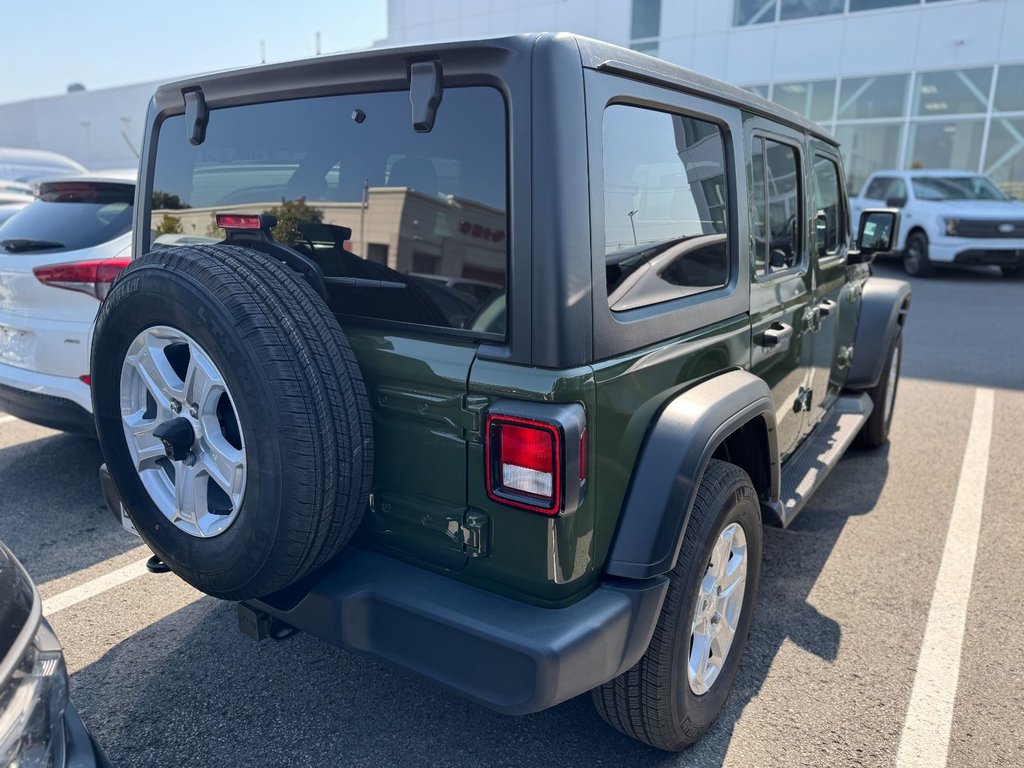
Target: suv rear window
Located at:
point(665, 207)
point(357, 189)
point(70, 216)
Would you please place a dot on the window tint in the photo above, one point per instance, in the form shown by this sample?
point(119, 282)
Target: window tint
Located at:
point(72, 215)
point(355, 188)
point(666, 206)
point(830, 221)
point(775, 206)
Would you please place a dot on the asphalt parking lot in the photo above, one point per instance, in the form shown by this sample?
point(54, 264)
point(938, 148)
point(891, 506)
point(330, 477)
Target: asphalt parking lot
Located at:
point(831, 675)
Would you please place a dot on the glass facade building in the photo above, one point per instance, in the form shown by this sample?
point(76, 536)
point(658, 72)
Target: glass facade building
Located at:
point(900, 83)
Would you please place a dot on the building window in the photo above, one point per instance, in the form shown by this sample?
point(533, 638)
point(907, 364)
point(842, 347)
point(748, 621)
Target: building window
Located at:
point(1004, 156)
point(871, 97)
point(1010, 89)
point(665, 207)
point(945, 144)
point(955, 92)
point(801, 9)
point(754, 12)
point(867, 148)
point(813, 100)
point(874, 5)
point(645, 26)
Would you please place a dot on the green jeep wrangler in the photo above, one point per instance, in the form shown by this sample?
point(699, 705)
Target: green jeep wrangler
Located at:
point(491, 359)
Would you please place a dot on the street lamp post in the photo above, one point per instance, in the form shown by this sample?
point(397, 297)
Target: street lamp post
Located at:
point(632, 224)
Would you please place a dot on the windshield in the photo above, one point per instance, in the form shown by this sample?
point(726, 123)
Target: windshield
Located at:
point(406, 226)
point(956, 188)
point(70, 216)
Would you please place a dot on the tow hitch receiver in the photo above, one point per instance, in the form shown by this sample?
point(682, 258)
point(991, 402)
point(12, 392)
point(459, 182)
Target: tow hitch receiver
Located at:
point(259, 625)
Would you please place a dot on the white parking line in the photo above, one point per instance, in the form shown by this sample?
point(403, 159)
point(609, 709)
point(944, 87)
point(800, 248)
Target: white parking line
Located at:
point(93, 587)
point(5, 419)
point(925, 739)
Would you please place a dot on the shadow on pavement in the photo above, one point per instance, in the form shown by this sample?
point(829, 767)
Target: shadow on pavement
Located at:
point(50, 504)
point(190, 690)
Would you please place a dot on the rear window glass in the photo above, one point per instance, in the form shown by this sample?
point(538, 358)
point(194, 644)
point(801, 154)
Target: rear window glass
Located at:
point(355, 188)
point(70, 216)
point(666, 207)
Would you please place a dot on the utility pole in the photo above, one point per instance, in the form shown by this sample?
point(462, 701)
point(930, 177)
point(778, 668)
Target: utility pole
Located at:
point(362, 217)
point(633, 225)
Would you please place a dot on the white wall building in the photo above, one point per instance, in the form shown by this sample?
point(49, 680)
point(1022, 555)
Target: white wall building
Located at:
point(901, 83)
point(929, 83)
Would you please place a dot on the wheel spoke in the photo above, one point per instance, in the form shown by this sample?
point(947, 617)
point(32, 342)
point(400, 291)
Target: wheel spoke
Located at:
point(735, 573)
point(144, 446)
point(156, 373)
point(700, 652)
point(225, 466)
point(185, 492)
point(202, 381)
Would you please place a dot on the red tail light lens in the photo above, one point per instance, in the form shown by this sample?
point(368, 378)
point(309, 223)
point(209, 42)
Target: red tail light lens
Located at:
point(92, 277)
point(524, 459)
point(238, 221)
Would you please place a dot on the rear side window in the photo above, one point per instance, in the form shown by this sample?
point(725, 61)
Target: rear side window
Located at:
point(886, 188)
point(355, 188)
point(830, 216)
point(70, 216)
point(665, 206)
point(774, 206)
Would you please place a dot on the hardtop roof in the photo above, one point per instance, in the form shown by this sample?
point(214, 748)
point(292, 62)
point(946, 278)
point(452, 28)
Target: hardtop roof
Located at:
point(594, 54)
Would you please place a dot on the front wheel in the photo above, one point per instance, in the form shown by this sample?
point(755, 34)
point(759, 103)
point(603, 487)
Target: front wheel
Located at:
point(676, 691)
point(915, 256)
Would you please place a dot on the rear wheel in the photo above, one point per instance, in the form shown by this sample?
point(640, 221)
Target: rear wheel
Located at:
point(675, 692)
point(875, 431)
point(232, 417)
point(915, 256)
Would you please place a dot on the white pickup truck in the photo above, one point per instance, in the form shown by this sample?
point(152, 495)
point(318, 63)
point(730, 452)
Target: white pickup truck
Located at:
point(948, 217)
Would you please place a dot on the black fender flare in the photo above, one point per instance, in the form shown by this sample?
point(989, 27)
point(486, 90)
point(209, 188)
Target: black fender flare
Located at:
point(678, 447)
point(883, 308)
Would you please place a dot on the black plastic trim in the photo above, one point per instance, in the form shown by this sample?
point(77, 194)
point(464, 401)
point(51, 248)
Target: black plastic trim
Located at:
point(883, 303)
point(675, 454)
point(510, 656)
point(46, 410)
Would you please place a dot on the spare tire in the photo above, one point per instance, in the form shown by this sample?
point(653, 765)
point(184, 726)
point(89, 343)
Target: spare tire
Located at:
point(232, 416)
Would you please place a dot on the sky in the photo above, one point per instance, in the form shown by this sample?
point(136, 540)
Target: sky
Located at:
point(49, 44)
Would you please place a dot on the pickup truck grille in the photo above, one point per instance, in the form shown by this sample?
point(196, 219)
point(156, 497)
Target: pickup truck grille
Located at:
point(991, 228)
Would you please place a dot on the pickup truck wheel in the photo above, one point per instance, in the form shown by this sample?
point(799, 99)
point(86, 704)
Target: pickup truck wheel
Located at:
point(875, 431)
point(915, 256)
point(678, 688)
point(232, 416)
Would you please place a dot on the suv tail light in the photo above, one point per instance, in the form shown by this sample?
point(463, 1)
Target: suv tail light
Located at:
point(530, 461)
point(92, 277)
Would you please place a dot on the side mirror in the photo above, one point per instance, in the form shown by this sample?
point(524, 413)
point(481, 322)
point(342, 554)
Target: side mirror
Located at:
point(878, 232)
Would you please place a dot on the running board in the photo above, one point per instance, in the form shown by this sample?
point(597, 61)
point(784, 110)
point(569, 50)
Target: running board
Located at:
point(808, 467)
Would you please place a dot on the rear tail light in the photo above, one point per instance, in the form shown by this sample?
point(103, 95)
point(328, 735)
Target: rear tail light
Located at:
point(524, 458)
point(245, 221)
point(92, 277)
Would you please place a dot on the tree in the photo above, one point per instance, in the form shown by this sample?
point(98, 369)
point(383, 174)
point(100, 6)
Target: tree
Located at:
point(290, 214)
point(168, 202)
point(169, 225)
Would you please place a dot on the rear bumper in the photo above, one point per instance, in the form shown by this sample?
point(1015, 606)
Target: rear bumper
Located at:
point(46, 410)
point(512, 657)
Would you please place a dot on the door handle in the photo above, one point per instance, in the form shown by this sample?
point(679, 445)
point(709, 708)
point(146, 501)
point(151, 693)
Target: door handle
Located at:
point(776, 334)
point(826, 307)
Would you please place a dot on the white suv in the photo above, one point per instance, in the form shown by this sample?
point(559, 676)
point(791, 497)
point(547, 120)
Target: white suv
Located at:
point(949, 217)
point(58, 257)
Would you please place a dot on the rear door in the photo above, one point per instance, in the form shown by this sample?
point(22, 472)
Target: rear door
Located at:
point(832, 309)
point(781, 291)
